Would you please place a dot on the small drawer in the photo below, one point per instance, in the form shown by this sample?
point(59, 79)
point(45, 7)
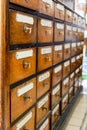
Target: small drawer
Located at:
point(72, 79)
point(66, 51)
point(75, 19)
point(71, 92)
point(43, 83)
point(59, 32)
point(75, 33)
point(82, 45)
point(56, 94)
point(73, 49)
point(27, 122)
point(80, 71)
point(59, 11)
point(23, 24)
point(78, 61)
point(55, 114)
point(45, 125)
point(79, 49)
point(57, 54)
point(24, 62)
point(44, 57)
point(81, 59)
point(65, 86)
point(76, 86)
point(31, 4)
point(66, 68)
point(79, 36)
point(77, 73)
point(79, 21)
point(73, 64)
point(43, 107)
point(68, 33)
point(57, 74)
point(69, 16)
point(23, 95)
point(45, 30)
point(46, 7)
point(64, 102)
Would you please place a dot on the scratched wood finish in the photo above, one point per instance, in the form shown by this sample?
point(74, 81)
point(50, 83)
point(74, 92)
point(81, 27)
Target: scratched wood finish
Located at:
point(67, 52)
point(64, 104)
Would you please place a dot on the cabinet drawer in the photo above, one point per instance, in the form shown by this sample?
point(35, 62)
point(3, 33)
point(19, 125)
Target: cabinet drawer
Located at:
point(45, 30)
point(75, 19)
point(43, 107)
point(64, 102)
point(56, 94)
point(22, 28)
point(78, 62)
point(24, 62)
point(77, 73)
point(79, 36)
point(59, 11)
point(69, 16)
point(79, 47)
point(70, 93)
point(57, 54)
point(22, 97)
point(72, 79)
point(44, 57)
point(73, 49)
point(31, 4)
point(82, 45)
point(57, 75)
point(55, 114)
point(76, 86)
point(73, 64)
point(27, 122)
point(74, 33)
point(43, 83)
point(59, 32)
point(66, 51)
point(68, 33)
point(46, 7)
point(66, 68)
point(65, 86)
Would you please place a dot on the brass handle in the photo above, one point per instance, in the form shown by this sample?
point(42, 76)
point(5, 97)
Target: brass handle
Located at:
point(44, 108)
point(68, 69)
point(47, 58)
point(26, 1)
point(24, 128)
point(57, 95)
point(47, 6)
point(26, 97)
point(59, 54)
point(56, 115)
point(58, 75)
point(47, 31)
point(26, 64)
point(67, 51)
point(60, 33)
point(69, 33)
point(27, 29)
point(45, 83)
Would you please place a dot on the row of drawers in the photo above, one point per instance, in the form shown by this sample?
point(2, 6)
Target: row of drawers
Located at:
point(26, 26)
point(48, 7)
point(25, 94)
point(24, 60)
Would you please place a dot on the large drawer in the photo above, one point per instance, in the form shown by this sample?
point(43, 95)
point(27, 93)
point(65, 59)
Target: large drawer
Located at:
point(27, 122)
point(68, 33)
point(22, 28)
point(22, 97)
point(43, 83)
point(31, 4)
point(59, 11)
point(22, 64)
point(59, 32)
point(64, 102)
point(66, 51)
point(65, 86)
point(69, 16)
point(45, 30)
point(44, 57)
point(66, 68)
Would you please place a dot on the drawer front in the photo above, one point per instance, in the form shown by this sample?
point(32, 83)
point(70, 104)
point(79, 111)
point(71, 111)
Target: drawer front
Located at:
point(46, 7)
point(45, 125)
point(24, 62)
point(65, 86)
point(76, 86)
point(68, 32)
point(57, 75)
point(44, 57)
point(69, 16)
point(66, 68)
point(66, 50)
point(56, 94)
point(55, 114)
point(64, 102)
point(59, 11)
point(27, 122)
point(74, 33)
point(72, 79)
point(59, 32)
point(77, 73)
point(57, 54)
point(31, 4)
point(43, 83)
point(73, 64)
point(75, 19)
point(23, 24)
point(79, 36)
point(43, 107)
point(78, 62)
point(79, 47)
point(73, 49)
point(70, 93)
point(45, 30)
point(82, 45)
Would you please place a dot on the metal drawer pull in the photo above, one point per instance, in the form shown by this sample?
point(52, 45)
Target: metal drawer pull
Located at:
point(26, 64)
point(27, 29)
point(60, 33)
point(47, 58)
point(26, 1)
point(56, 115)
point(58, 75)
point(47, 6)
point(45, 83)
point(26, 97)
point(57, 95)
point(24, 128)
point(44, 108)
point(59, 54)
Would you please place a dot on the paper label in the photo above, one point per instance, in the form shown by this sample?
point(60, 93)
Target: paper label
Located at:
point(60, 26)
point(69, 28)
point(25, 89)
point(71, 89)
point(82, 43)
point(46, 50)
point(77, 71)
point(44, 125)
point(74, 29)
point(65, 98)
point(42, 102)
point(73, 44)
point(48, 2)
point(46, 23)
point(24, 121)
point(81, 55)
point(57, 69)
point(67, 46)
point(81, 67)
point(78, 44)
point(24, 54)
point(58, 48)
point(66, 63)
point(79, 30)
point(78, 57)
point(55, 109)
point(66, 81)
point(69, 13)
point(72, 75)
point(55, 90)
point(24, 19)
point(44, 76)
point(60, 7)
point(73, 60)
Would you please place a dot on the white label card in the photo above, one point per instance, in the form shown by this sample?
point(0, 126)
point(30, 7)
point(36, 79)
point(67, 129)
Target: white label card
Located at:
point(60, 7)
point(82, 43)
point(71, 89)
point(78, 57)
point(57, 69)
point(65, 98)
point(24, 19)
point(67, 46)
point(46, 50)
point(77, 71)
point(60, 26)
point(69, 13)
point(58, 48)
point(42, 102)
point(81, 67)
point(46, 23)
point(44, 76)
point(69, 28)
point(73, 44)
point(55, 90)
point(66, 81)
point(73, 60)
point(55, 109)
point(78, 44)
point(72, 75)
point(44, 125)
point(48, 2)
point(74, 29)
point(66, 63)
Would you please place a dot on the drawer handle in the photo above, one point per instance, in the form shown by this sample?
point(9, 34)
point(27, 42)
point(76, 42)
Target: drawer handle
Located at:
point(26, 97)
point(26, 64)
point(47, 31)
point(26, 1)
point(44, 84)
point(60, 33)
point(24, 128)
point(27, 29)
point(67, 51)
point(47, 6)
point(44, 108)
point(47, 58)
point(57, 95)
point(59, 54)
point(56, 115)
point(58, 75)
